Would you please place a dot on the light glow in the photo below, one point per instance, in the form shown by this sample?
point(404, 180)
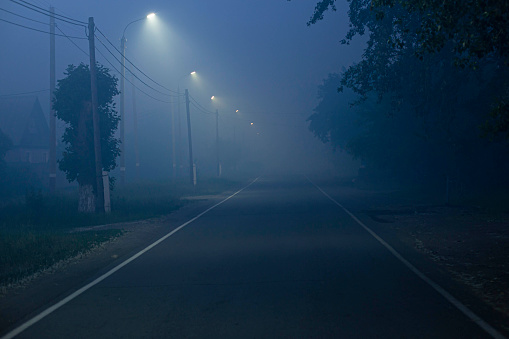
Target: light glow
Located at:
point(151, 16)
point(212, 98)
point(193, 73)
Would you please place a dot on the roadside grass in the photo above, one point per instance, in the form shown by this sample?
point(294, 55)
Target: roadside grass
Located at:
point(35, 230)
point(24, 252)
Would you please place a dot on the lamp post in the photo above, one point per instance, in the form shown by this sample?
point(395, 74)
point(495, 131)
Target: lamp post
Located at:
point(217, 141)
point(235, 126)
point(179, 141)
point(122, 97)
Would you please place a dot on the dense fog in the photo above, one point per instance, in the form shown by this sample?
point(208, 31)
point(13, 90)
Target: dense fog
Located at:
point(290, 97)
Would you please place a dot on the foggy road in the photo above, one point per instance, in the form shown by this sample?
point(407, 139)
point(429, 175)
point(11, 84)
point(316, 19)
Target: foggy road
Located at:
point(278, 260)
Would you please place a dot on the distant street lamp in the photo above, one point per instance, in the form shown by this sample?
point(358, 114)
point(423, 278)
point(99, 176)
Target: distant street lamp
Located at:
point(179, 144)
point(235, 126)
point(217, 140)
point(122, 98)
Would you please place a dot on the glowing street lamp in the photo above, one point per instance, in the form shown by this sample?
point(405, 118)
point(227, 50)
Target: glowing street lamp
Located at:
point(179, 137)
point(122, 101)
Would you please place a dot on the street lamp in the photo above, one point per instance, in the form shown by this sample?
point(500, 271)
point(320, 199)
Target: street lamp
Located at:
point(179, 146)
point(122, 98)
point(217, 140)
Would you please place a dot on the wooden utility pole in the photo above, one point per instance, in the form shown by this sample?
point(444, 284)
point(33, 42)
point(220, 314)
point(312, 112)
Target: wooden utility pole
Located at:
point(173, 146)
point(52, 119)
point(179, 145)
point(217, 144)
point(136, 145)
point(122, 110)
point(95, 116)
point(192, 170)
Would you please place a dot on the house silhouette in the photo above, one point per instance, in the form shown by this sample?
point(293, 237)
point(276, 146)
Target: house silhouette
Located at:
point(23, 121)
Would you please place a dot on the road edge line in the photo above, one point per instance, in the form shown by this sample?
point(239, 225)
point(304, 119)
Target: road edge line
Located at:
point(449, 297)
point(83, 289)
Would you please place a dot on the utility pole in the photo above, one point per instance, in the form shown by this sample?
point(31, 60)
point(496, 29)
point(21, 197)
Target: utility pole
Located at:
point(136, 145)
point(52, 118)
point(95, 117)
point(192, 169)
point(122, 110)
point(217, 144)
point(173, 148)
point(180, 155)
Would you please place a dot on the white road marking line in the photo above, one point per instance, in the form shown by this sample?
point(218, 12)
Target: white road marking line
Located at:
point(64, 301)
point(464, 309)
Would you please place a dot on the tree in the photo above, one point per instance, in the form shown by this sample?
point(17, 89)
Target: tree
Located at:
point(73, 105)
point(474, 31)
point(418, 117)
point(477, 28)
point(333, 119)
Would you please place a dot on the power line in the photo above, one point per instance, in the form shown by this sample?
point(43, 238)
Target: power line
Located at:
point(78, 47)
point(24, 17)
point(143, 82)
point(129, 81)
point(200, 110)
point(139, 70)
point(39, 30)
point(24, 93)
point(48, 13)
point(203, 109)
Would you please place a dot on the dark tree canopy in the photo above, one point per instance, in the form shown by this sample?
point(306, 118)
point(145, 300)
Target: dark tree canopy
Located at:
point(415, 115)
point(477, 28)
point(72, 104)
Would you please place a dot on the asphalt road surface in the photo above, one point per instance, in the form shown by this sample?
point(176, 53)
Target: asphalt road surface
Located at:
point(278, 260)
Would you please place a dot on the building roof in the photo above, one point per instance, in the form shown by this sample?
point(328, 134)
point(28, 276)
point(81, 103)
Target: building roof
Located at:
point(22, 119)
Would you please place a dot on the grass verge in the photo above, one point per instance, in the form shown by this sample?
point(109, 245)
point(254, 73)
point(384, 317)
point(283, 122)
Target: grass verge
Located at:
point(35, 229)
point(24, 252)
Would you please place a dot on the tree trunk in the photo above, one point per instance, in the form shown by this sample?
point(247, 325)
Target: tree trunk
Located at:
point(86, 202)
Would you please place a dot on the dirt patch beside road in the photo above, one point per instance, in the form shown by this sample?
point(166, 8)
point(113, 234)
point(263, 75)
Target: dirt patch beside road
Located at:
point(469, 243)
point(472, 245)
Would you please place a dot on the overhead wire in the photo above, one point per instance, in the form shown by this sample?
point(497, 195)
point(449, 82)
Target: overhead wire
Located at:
point(129, 61)
point(129, 70)
point(72, 21)
point(46, 12)
point(24, 17)
point(200, 106)
point(40, 30)
point(129, 81)
point(78, 47)
point(23, 93)
point(199, 110)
